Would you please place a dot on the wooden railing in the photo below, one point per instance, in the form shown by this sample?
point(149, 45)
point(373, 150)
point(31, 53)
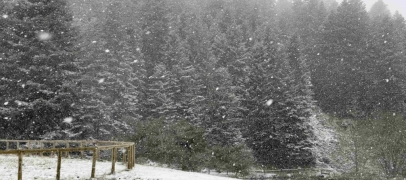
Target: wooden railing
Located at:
point(22, 147)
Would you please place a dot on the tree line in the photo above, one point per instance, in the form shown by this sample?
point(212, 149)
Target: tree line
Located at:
point(246, 72)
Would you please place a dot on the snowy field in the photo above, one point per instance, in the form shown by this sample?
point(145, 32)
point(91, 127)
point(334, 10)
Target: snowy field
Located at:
point(36, 168)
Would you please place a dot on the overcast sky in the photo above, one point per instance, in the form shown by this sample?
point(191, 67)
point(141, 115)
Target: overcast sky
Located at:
point(393, 5)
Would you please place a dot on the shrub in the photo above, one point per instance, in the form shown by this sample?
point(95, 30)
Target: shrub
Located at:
point(373, 146)
point(237, 159)
point(180, 144)
point(183, 145)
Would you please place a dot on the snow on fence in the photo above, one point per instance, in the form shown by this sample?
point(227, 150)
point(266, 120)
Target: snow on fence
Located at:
point(51, 147)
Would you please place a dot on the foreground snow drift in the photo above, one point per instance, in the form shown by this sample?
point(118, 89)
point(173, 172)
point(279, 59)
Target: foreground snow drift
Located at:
point(37, 168)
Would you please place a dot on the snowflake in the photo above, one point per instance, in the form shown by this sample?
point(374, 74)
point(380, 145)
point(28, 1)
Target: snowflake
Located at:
point(5, 16)
point(269, 102)
point(68, 120)
point(44, 36)
point(18, 102)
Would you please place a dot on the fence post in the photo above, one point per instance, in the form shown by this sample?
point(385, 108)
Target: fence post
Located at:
point(58, 167)
point(132, 156)
point(29, 147)
point(127, 150)
point(81, 152)
point(7, 145)
point(20, 165)
point(94, 162)
point(113, 160)
point(18, 144)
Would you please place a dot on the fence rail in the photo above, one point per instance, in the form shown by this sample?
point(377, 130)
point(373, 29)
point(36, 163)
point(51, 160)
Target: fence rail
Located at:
point(22, 147)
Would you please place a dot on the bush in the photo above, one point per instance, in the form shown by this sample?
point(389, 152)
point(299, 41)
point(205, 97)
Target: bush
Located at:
point(373, 146)
point(183, 145)
point(237, 159)
point(387, 137)
point(180, 144)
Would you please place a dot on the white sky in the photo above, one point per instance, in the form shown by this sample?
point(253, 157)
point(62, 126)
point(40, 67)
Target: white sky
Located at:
point(393, 5)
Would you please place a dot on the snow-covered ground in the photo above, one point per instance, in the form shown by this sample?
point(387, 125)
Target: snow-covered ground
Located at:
point(37, 168)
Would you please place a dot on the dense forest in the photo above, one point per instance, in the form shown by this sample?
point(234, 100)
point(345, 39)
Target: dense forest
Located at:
point(241, 76)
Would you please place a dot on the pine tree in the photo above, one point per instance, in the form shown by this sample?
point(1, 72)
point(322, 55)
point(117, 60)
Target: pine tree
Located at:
point(384, 92)
point(300, 105)
point(262, 98)
point(108, 93)
point(154, 35)
point(39, 59)
point(379, 9)
point(400, 37)
point(339, 80)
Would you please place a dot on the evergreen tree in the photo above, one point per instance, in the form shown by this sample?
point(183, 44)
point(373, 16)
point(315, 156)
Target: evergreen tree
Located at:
point(300, 105)
point(379, 9)
point(108, 92)
point(154, 36)
point(384, 92)
point(339, 78)
point(399, 38)
point(38, 58)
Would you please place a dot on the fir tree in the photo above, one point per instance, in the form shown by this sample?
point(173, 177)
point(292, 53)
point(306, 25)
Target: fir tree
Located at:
point(108, 93)
point(39, 59)
point(384, 92)
point(154, 33)
point(338, 79)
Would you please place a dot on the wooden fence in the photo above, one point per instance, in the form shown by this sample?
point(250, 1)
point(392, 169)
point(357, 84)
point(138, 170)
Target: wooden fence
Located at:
point(21, 147)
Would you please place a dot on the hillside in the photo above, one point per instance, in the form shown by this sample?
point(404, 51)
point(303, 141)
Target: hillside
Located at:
point(45, 169)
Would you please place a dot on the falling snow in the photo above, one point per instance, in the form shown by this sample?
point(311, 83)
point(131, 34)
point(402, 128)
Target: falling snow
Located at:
point(68, 120)
point(101, 80)
point(44, 36)
point(269, 102)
